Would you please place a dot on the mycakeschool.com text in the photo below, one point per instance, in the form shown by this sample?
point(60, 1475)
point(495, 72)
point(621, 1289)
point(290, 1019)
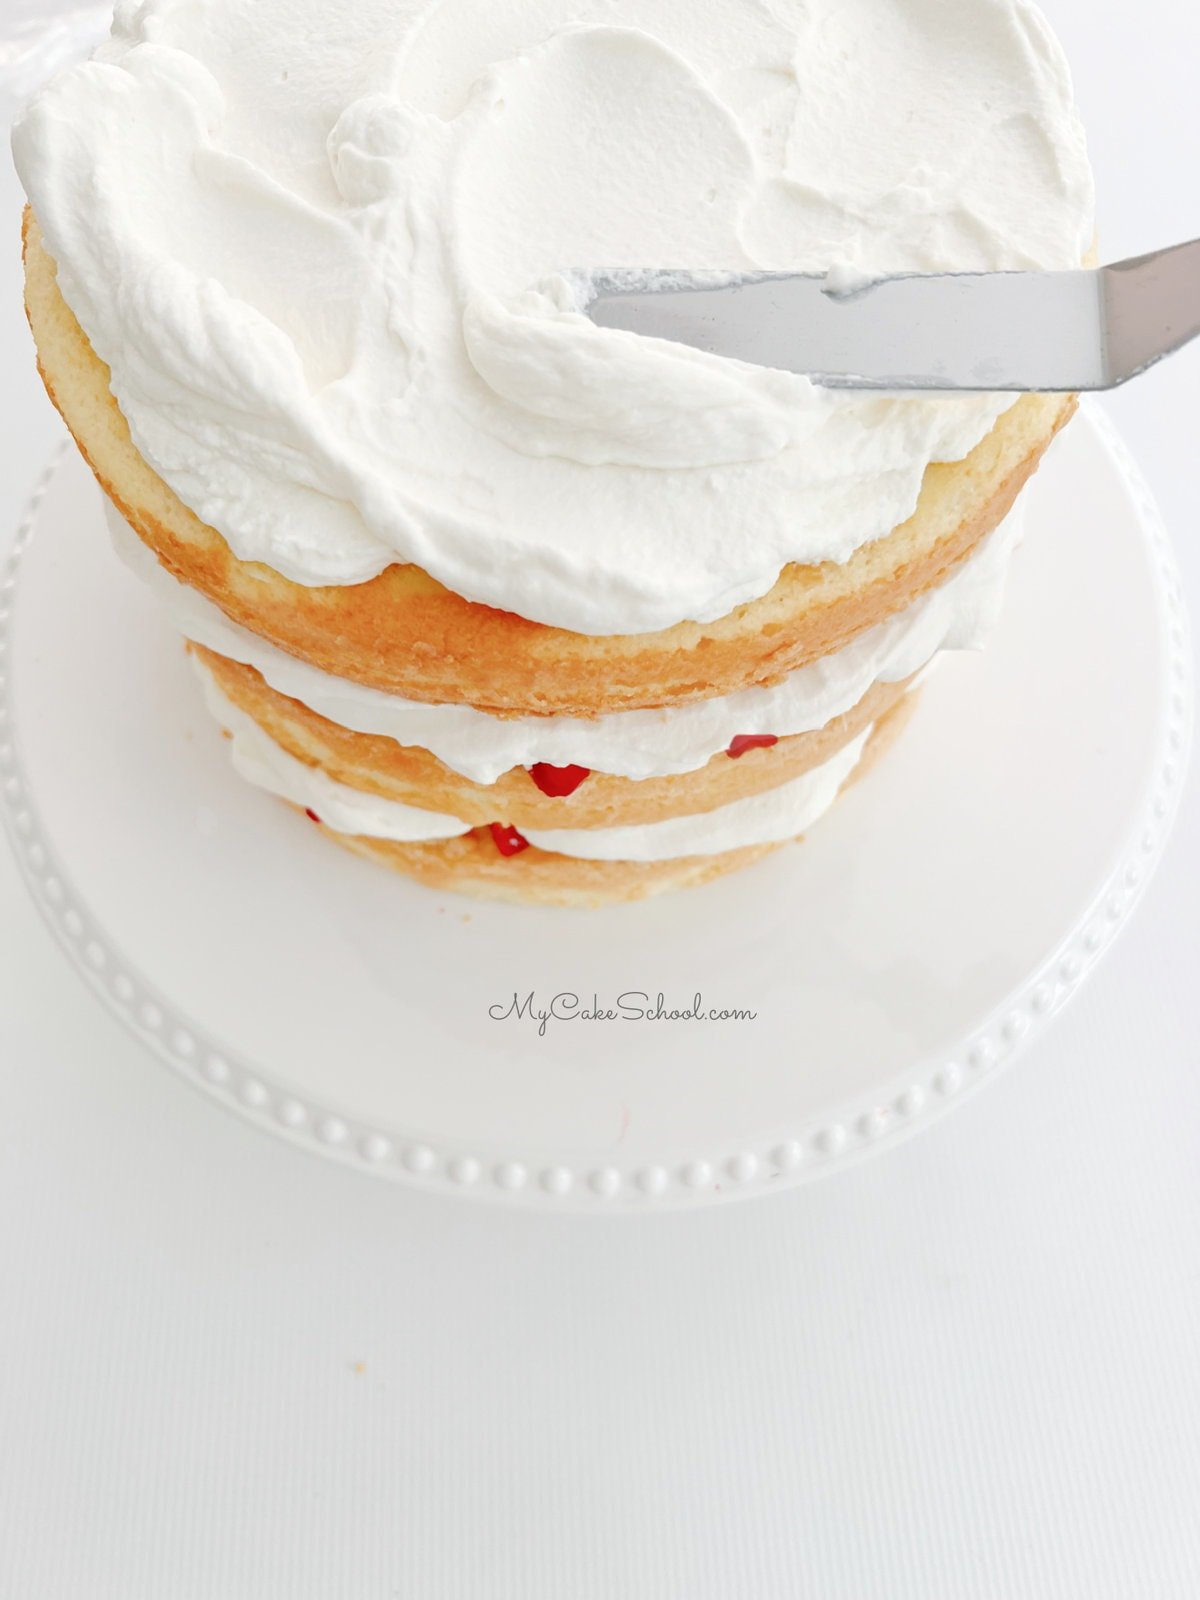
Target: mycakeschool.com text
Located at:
point(632, 1006)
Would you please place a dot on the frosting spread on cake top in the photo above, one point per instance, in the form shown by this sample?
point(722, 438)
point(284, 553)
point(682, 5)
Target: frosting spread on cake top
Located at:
point(325, 247)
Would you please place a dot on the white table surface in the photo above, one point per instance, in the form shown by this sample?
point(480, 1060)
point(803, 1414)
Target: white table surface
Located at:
point(968, 1370)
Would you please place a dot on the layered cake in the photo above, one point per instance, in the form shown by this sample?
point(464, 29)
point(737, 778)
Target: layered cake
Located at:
point(516, 605)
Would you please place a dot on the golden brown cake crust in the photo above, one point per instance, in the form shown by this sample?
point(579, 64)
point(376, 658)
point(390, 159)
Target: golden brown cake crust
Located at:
point(415, 777)
point(472, 865)
point(406, 634)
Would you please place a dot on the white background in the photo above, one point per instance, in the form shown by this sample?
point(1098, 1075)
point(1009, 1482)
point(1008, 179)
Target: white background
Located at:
point(967, 1370)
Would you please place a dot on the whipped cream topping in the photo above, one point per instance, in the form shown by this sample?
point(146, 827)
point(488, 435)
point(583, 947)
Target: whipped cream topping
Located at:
point(326, 247)
point(631, 744)
point(782, 813)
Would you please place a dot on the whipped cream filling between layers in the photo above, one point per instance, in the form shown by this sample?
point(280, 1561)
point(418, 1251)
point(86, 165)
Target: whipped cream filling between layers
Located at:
point(779, 814)
point(630, 744)
point(325, 247)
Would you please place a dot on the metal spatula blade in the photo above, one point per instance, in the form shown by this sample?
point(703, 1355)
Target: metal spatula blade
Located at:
point(1056, 332)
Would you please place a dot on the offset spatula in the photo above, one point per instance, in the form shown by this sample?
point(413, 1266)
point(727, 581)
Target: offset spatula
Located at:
point(1056, 332)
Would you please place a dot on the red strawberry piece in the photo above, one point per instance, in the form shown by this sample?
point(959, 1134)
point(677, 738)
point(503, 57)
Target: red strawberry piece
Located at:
point(558, 782)
point(751, 741)
point(508, 841)
point(311, 815)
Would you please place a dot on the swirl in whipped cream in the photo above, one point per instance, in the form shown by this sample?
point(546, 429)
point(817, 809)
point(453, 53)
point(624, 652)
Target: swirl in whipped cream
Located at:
point(781, 813)
point(320, 244)
point(630, 744)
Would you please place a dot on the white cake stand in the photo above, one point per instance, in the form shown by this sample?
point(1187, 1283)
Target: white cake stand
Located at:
point(895, 961)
